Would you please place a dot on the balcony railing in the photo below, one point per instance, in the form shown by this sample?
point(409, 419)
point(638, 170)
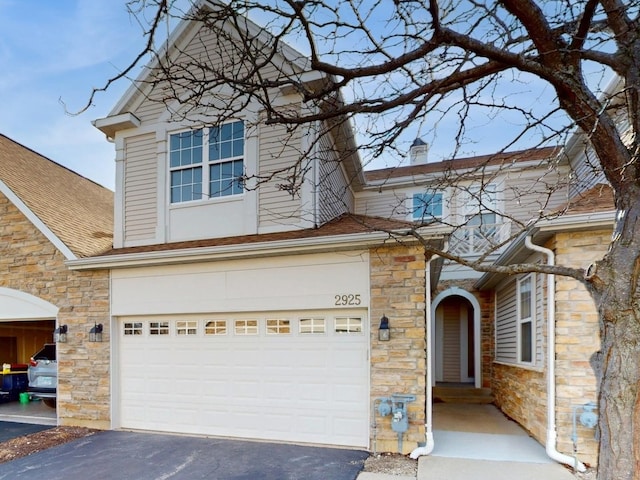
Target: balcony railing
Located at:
point(479, 239)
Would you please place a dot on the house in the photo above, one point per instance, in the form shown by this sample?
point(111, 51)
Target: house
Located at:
point(240, 309)
point(51, 215)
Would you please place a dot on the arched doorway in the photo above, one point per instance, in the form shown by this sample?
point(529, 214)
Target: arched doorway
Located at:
point(456, 338)
point(26, 323)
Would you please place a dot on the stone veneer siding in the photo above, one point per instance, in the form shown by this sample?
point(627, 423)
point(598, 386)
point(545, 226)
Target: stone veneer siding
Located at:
point(522, 393)
point(399, 365)
point(30, 263)
point(577, 339)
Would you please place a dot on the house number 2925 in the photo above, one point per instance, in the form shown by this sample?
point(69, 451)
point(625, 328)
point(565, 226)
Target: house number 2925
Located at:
point(347, 299)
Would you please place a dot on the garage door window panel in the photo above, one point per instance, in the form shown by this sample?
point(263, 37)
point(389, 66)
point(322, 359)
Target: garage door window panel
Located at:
point(133, 328)
point(348, 325)
point(246, 327)
point(187, 327)
point(278, 326)
point(158, 328)
point(312, 325)
point(215, 327)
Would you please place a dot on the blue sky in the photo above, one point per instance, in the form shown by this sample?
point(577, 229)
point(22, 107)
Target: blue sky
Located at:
point(58, 50)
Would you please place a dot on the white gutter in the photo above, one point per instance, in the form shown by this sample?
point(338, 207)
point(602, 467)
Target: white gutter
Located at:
point(552, 433)
point(428, 448)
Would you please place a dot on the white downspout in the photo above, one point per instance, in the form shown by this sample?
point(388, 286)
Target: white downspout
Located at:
point(552, 433)
point(428, 448)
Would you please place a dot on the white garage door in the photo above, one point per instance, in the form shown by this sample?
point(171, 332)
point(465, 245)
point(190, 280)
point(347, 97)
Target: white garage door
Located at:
point(280, 376)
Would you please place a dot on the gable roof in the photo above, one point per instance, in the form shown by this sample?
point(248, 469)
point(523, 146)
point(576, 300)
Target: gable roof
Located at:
point(480, 161)
point(124, 114)
point(75, 213)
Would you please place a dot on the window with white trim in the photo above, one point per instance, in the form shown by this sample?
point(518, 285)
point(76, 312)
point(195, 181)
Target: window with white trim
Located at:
point(427, 206)
point(278, 326)
point(133, 328)
point(526, 318)
point(215, 327)
point(187, 327)
point(312, 325)
point(207, 162)
point(348, 325)
point(158, 328)
point(246, 327)
point(481, 205)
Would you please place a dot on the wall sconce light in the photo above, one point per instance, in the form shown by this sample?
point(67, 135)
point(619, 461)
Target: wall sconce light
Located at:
point(383, 330)
point(95, 334)
point(60, 334)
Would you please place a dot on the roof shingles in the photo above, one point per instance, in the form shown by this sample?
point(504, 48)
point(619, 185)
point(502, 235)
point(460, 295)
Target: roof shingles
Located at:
point(78, 211)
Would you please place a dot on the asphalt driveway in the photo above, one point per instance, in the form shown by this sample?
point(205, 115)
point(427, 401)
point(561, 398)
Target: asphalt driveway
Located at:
point(145, 456)
point(9, 430)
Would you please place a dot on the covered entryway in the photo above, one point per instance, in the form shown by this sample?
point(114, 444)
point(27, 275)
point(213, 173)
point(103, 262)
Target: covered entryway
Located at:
point(456, 338)
point(291, 376)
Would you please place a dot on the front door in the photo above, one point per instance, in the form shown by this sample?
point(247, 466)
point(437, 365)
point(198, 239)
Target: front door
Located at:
point(454, 351)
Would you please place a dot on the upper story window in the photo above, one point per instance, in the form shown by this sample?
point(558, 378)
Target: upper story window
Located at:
point(207, 162)
point(481, 205)
point(427, 206)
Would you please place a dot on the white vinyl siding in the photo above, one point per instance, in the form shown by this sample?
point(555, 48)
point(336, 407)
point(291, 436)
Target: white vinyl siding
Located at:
point(140, 179)
point(384, 203)
point(586, 171)
point(198, 45)
point(528, 193)
point(335, 196)
point(277, 157)
point(507, 321)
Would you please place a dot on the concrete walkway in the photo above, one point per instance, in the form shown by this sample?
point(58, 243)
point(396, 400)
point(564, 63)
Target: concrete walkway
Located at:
point(478, 442)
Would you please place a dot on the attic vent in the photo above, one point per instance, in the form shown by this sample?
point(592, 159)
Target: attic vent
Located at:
point(418, 152)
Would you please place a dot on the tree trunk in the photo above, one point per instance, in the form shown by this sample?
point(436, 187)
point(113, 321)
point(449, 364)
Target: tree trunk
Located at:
point(615, 289)
point(619, 449)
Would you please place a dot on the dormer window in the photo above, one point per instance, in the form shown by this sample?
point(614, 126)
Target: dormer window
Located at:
point(207, 162)
point(427, 206)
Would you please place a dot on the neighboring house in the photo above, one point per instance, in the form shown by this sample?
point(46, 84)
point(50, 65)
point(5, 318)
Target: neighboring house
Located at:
point(50, 215)
point(251, 312)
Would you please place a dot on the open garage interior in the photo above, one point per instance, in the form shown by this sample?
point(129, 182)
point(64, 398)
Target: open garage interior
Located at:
point(21, 339)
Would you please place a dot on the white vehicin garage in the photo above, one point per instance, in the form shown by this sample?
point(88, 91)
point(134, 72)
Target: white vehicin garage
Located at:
point(192, 360)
